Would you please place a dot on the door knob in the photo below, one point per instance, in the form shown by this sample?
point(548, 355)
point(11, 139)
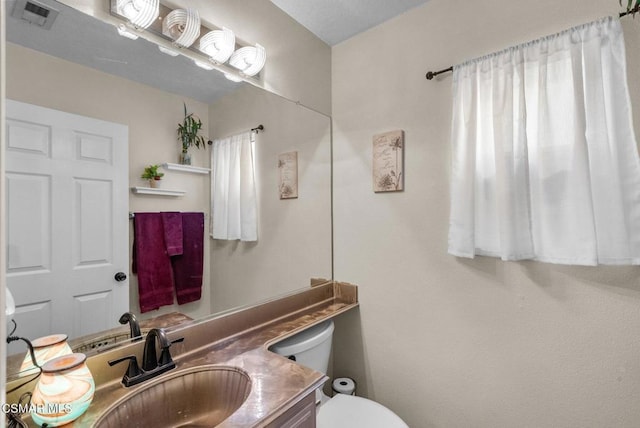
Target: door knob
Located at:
point(120, 276)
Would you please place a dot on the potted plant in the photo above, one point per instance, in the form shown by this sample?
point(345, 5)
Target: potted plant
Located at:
point(188, 135)
point(152, 174)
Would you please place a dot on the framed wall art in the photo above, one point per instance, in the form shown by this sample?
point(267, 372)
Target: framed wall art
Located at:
point(388, 162)
point(288, 166)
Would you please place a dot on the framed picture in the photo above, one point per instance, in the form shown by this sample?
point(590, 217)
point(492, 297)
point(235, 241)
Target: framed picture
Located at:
point(388, 162)
point(288, 166)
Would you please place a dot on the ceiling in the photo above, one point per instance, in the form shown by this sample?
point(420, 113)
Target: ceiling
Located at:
point(334, 21)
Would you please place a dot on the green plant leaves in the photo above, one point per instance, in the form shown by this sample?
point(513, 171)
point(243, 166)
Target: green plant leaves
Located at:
point(151, 172)
point(631, 5)
point(188, 131)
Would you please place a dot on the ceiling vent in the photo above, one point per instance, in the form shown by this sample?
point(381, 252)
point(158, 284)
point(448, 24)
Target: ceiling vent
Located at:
point(35, 13)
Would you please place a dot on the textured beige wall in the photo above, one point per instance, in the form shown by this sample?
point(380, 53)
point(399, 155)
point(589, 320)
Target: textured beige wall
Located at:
point(448, 342)
point(294, 235)
point(152, 117)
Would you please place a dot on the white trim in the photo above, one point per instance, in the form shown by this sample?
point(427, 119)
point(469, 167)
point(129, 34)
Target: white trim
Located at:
point(157, 192)
point(186, 168)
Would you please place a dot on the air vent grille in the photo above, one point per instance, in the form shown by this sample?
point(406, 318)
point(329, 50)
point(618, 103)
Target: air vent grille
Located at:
point(38, 10)
point(35, 13)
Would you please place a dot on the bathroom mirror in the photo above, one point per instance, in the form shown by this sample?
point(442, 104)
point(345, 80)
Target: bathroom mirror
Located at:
point(294, 243)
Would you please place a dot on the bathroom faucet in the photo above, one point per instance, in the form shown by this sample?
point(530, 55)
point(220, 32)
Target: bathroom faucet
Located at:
point(151, 365)
point(149, 359)
point(134, 327)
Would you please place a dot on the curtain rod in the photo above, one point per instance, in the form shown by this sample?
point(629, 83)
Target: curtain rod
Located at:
point(132, 215)
point(257, 129)
point(431, 74)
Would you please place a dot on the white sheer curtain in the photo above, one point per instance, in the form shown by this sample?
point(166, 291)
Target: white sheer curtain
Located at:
point(545, 162)
point(233, 189)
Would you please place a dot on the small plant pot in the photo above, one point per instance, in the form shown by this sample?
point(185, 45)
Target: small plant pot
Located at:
point(154, 182)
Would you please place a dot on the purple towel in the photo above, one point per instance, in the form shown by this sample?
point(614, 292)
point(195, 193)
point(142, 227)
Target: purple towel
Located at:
point(151, 262)
point(172, 223)
point(187, 268)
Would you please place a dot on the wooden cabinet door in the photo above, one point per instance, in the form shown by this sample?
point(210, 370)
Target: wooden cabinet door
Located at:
point(301, 415)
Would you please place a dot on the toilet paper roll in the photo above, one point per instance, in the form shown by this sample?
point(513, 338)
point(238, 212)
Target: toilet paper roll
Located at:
point(344, 385)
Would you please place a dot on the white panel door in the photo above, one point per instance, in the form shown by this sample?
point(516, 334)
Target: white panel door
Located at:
point(67, 221)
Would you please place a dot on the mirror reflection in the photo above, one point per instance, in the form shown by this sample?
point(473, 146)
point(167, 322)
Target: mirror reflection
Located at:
point(82, 68)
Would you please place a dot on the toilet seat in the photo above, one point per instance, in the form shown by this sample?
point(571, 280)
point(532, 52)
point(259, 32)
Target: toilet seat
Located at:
point(349, 411)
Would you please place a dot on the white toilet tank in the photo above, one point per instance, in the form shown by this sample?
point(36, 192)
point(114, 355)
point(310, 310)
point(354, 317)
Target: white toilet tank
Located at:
point(311, 347)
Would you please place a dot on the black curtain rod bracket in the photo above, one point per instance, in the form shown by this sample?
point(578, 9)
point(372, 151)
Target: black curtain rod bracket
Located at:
point(432, 74)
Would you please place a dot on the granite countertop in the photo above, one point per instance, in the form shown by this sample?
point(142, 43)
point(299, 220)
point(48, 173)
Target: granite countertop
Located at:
point(238, 339)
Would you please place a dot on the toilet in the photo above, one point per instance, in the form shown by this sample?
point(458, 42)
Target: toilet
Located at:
point(312, 348)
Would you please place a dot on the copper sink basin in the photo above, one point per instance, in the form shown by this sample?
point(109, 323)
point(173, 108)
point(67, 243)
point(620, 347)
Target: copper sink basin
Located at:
point(201, 396)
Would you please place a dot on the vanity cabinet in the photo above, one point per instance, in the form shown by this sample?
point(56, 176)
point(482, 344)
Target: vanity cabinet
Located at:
point(301, 415)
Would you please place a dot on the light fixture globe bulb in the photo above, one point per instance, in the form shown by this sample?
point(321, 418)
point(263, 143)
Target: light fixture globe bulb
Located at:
point(218, 45)
point(140, 13)
point(182, 26)
point(129, 11)
point(249, 59)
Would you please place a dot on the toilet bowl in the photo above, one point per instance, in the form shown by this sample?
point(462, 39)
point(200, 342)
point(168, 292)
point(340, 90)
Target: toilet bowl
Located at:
point(312, 348)
point(349, 411)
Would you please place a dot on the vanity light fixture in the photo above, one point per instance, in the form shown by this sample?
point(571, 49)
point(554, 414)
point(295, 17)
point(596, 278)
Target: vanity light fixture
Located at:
point(177, 32)
point(218, 45)
point(140, 13)
point(182, 26)
point(249, 59)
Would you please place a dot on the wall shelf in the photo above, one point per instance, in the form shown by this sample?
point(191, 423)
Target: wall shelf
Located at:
point(185, 168)
point(156, 191)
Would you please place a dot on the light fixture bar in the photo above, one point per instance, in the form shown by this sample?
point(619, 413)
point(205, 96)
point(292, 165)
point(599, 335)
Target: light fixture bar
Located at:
point(153, 33)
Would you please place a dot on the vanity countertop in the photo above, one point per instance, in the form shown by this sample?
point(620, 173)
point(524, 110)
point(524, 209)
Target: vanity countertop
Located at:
point(239, 339)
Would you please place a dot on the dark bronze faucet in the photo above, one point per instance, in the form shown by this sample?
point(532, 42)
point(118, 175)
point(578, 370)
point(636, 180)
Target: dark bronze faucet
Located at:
point(149, 359)
point(151, 365)
point(134, 327)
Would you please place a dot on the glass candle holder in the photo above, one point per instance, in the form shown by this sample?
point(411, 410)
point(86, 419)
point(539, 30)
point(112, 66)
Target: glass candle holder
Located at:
point(46, 349)
point(64, 391)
